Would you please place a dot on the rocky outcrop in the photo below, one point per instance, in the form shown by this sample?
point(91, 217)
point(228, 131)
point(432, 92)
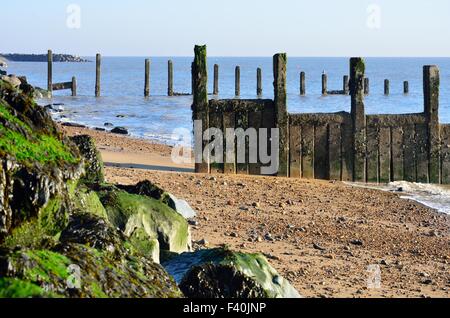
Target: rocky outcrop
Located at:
point(42, 58)
point(131, 213)
point(221, 273)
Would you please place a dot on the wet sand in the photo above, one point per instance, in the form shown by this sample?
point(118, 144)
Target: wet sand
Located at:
point(320, 235)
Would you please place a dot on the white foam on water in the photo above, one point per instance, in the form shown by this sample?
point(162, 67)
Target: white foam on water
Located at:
point(434, 196)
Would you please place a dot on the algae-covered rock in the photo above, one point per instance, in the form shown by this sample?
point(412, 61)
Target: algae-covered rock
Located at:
point(145, 245)
point(36, 161)
point(94, 163)
point(83, 199)
point(221, 273)
point(76, 270)
point(131, 212)
point(148, 189)
point(93, 231)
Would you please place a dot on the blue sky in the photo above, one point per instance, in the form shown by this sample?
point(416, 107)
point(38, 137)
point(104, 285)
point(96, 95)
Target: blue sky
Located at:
point(230, 27)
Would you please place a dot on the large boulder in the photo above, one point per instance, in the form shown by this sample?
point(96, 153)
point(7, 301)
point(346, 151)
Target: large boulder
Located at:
point(75, 270)
point(131, 213)
point(13, 80)
point(221, 273)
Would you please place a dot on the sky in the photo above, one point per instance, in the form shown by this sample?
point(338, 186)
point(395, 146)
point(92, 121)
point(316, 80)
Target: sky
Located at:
point(228, 27)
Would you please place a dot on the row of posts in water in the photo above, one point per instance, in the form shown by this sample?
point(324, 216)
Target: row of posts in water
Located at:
point(170, 91)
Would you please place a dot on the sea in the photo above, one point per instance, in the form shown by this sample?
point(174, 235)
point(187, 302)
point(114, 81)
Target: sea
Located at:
point(156, 117)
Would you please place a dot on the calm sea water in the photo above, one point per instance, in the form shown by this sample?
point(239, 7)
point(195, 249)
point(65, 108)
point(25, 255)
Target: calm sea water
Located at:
point(157, 116)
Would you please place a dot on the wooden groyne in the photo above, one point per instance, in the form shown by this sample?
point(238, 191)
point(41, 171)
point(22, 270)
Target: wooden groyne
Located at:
point(347, 146)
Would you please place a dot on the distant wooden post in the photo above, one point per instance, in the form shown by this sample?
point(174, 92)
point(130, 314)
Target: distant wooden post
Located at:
point(280, 102)
point(74, 86)
point(98, 75)
point(302, 83)
point(405, 87)
point(259, 89)
point(324, 84)
point(366, 86)
point(431, 82)
point(200, 106)
point(386, 87)
point(345, 84)
point(50, 72)
point(170, 78)
point(216, 80)
point(357, 70)
point(237, 81)
point(147, 78)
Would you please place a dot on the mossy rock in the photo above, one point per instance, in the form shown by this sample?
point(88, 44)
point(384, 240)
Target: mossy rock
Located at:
point(42, 231)
point(130, 212)
point(74, 270)
point(221, 273)
point(93, 231)
point(17, 288)
point(143, 244)
point(85, 200)
point(146, 188)
point(92, 157)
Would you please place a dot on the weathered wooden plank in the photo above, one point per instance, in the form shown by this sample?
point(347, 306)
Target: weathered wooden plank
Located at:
point(445, 154)
point(295, 157)
point(385, 155)
point(334, 151)
point(347, 152)
point(321, 152)
point(230, 152)
point(254, 121)
point(308, 151)
point(62, 86)
point(397, 153)
point(268, 122)
point(372, 154)
point(422, 153)
point(242, 122)
point(216, 162)
point(409, 161)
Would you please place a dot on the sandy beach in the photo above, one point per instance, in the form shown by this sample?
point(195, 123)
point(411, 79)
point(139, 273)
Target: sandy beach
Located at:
point(320, 235)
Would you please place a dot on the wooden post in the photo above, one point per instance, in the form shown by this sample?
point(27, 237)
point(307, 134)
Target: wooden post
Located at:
point(357, 70)
point(147, 78)
point(98, 75)
point(200, 106)
point(302, 83)
point(74, 86)
point(386, 87)
point(216, 80)
point(366, 86)
point(324, 83)
point(431, 82)
point(237, 81)
point(345, 84)
point(280, 102)
point(405, 87)
point(170, 78)
point(259, 89)
point(50, 72)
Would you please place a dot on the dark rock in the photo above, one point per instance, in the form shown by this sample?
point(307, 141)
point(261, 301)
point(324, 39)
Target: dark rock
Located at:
point(221, 273)
point(108, 125)
point(75, 125)
point(357, 242)
point(120, 131)
point(91, 230)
